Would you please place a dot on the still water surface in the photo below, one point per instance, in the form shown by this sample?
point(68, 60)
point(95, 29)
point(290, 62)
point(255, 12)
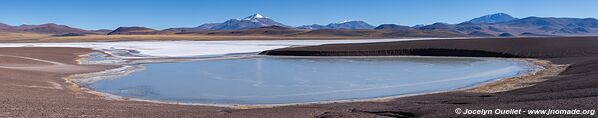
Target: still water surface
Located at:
point(280, 80)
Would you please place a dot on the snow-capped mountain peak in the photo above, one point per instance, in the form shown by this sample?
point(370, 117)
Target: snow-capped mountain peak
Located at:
point(255, 16)
point(253, 21)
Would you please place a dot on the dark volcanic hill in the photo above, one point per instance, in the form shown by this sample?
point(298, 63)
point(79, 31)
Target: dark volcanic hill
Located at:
point(68, 34)
point(392, 27)
point(136, 31)
point(480, 34)
point(101, 31)
point(342, 25)
point(444, 26)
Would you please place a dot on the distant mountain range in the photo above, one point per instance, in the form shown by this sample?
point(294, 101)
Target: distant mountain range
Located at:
point(531, 26)
point(341, 25)
point(4, 26)
point(49, 28)
point(392, 27)
point(493, 25)
point(253, 21)
point(493, 18)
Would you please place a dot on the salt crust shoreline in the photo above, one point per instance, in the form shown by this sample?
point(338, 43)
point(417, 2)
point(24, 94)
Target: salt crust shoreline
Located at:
point(540, 69)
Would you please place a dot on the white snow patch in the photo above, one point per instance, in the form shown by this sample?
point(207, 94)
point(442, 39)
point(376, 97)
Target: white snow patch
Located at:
point(258, 16)
point(255, 16)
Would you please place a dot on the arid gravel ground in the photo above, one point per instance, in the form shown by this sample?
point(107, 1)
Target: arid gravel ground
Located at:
point(574, 88)
point(44, 93)
point(32, 84)
point(40, 90)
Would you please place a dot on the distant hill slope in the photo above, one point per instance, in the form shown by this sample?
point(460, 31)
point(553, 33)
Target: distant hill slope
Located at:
point(530, 26)
point(203, 27)
point(249, 22)
point(493, 25)
point(137, 31)
point(101, 31)
point(49, 28)
point(381, 33)
point(392, 27)
point(341, 25)
point(253, 21)
point(312, 27)
point(493, 18)
point(480, 34)
point(262, 31)
point(365, 33)
point(4, 26)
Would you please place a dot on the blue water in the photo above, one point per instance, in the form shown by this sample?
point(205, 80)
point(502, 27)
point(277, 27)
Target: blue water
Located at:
point(279, 80)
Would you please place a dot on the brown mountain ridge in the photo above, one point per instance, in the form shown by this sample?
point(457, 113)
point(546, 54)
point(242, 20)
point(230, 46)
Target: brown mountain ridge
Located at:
point(496, 25)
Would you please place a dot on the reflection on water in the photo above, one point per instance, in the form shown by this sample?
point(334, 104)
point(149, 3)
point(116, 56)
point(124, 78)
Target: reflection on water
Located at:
point(276, 80)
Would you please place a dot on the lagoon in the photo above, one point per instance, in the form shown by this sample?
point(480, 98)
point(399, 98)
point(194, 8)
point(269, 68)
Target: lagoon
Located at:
point(286, 80)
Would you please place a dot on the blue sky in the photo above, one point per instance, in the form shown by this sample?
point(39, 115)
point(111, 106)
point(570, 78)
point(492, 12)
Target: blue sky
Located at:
point(159, 14)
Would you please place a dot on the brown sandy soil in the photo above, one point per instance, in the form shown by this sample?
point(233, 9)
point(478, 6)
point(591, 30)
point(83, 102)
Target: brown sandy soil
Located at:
point(20, 36)
point(41, 92)
point(527, 80)
point(16, 60)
